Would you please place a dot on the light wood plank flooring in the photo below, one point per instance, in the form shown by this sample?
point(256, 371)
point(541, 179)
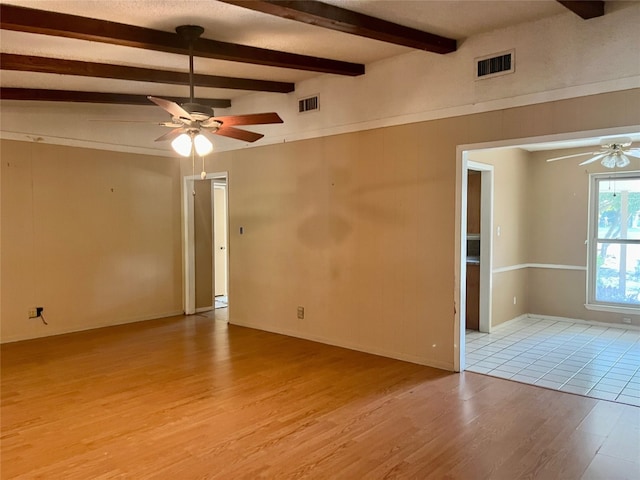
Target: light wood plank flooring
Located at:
point(191, 397)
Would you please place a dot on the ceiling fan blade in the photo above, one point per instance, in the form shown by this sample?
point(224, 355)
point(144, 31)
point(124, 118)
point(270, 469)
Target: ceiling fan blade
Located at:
point(170, 135)
point(634, 152)
point(571, 156)
point(162, 124)
point(238, 134)
point(594, 159)
point(172, 107)
point(249, 119)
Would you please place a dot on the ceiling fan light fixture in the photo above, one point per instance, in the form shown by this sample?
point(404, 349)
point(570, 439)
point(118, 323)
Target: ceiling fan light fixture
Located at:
point(622, 161)
point(182, 144)
point(609, 161)
point(614, 153)
point(202, 145)
point(192, 118)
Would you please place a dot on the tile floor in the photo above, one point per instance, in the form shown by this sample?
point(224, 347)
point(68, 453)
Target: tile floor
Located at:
point(594, 361)
point(222, 301)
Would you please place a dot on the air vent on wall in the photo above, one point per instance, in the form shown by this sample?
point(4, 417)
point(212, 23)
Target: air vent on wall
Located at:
point(495, 64)
point(308, 104)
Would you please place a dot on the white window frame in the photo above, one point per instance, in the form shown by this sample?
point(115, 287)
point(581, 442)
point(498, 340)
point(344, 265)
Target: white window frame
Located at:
point(592, 243)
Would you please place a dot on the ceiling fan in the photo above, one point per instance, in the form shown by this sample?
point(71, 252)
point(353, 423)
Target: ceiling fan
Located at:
point(190, 120)
point(614, 152)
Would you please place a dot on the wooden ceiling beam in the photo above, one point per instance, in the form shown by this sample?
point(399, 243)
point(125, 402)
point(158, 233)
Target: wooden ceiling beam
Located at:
point(29, 63)
point(31, 20)
point(96, 97)
point(585, 8)
point(347, 21)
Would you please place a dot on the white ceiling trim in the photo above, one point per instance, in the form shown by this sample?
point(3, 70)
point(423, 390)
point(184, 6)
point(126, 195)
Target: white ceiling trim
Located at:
point(273, 138)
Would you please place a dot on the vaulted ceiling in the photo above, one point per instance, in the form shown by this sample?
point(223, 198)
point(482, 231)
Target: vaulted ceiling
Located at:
point(120, 51)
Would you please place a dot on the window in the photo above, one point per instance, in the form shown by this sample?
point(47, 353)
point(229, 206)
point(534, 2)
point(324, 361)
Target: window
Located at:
point(614, 247)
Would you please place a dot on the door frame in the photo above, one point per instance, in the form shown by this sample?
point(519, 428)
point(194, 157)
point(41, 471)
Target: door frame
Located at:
point(226, 235)
point(486, 249)
point(188, 238)
point(462, 152)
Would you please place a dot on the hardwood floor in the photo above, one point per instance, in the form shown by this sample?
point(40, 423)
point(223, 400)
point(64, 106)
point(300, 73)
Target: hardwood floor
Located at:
point(191, 397)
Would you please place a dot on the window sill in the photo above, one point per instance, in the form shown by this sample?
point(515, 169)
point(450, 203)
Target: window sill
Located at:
point(613, 308)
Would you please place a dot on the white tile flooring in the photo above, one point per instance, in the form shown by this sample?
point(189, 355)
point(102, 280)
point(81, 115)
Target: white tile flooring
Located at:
point(594, 361)
point(221, 301)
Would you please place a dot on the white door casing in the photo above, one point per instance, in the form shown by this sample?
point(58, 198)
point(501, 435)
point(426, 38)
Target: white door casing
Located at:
point(219, 238)
point(188, 240)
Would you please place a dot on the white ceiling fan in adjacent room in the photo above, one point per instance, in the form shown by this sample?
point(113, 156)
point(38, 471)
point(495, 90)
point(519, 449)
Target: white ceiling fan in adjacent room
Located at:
point(614, 152)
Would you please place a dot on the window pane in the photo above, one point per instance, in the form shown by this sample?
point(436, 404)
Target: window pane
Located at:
point(618, 273)
point(619, 199)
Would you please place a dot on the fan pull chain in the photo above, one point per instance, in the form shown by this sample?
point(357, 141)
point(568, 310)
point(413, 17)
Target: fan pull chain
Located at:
point(193, 169)
point(612, 181)
point(203, 174)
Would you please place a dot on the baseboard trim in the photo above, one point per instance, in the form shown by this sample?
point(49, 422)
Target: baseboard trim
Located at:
point(595, 323)
point(500, 325)
point(349, 345)
point(146, 318)
point(204, 309)
point(623, 326)
point(551, 266)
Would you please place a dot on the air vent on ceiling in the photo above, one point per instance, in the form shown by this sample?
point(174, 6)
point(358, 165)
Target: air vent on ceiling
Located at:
point(308, 104)
point(495, 64)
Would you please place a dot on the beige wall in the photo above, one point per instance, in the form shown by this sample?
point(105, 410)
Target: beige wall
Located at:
point(507, 286)
point(91, 236)
point(360, 228)
point(560, 193)
point(511, 206)
point(558, 234)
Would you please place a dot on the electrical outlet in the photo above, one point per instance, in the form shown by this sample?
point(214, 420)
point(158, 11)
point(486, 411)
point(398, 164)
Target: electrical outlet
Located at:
point(301, 313)
point(626, 320)
point(515, 300)
point(33, 313)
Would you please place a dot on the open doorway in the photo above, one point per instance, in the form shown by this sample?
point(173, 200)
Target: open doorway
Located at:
point(539, 227)
point(479, 242)
point(201, 245)
point(220, 251)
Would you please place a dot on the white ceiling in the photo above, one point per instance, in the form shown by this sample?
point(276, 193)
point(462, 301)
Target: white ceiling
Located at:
point(456, 19)
point(228, 23)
